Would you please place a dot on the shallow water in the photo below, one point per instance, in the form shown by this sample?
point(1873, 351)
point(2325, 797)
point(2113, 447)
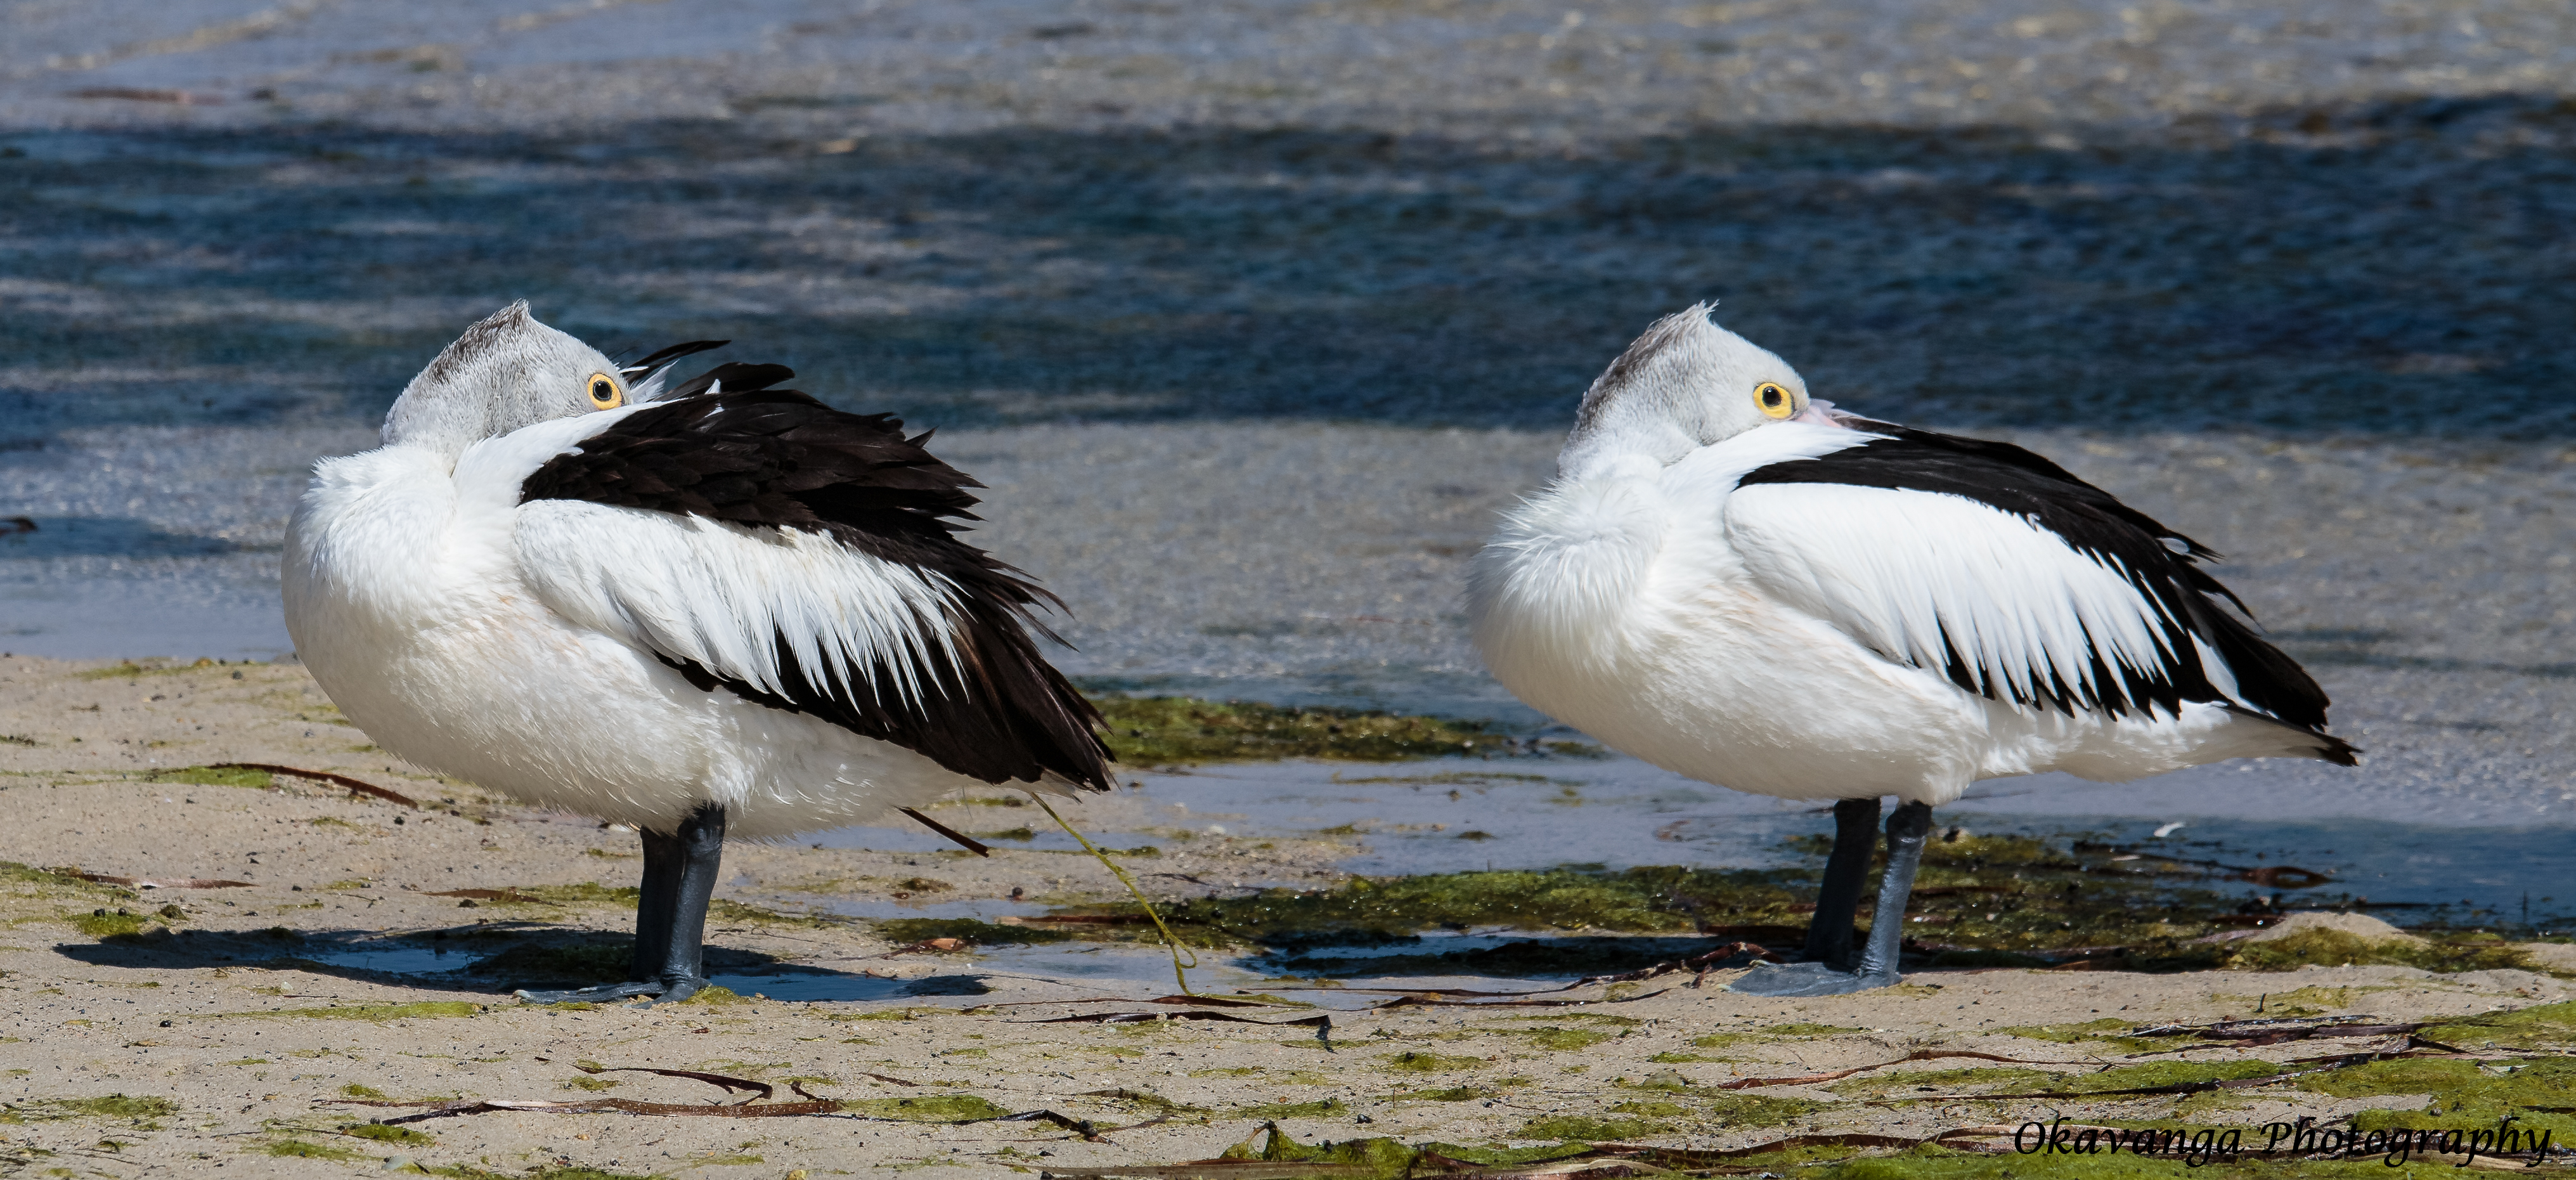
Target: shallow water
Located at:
point(1254, 314)
point(1460, 815)
point(1619, 812)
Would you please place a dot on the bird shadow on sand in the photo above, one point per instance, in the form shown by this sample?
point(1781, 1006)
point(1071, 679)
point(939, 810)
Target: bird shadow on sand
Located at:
point(488, 959)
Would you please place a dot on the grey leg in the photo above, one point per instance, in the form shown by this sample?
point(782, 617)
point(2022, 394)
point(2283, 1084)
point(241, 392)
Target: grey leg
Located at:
point(1906, 832)
point(670, 916)
point(701, 847)
point(1829, 934)
point(653, 902)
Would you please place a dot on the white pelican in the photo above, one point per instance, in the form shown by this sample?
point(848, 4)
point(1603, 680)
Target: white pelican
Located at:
point(1740, 585)
point(708, 609)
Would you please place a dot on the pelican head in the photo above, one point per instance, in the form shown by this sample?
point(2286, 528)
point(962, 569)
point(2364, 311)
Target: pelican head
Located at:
point(1685, 384)
point(504, 374)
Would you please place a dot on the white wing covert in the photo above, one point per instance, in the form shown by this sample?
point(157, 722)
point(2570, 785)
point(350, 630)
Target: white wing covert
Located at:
point(2003, 607)
point(741, 603)
point(2008, 575)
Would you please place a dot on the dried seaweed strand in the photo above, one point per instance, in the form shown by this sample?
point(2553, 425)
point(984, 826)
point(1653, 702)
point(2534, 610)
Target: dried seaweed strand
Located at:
point(1917, 1055)
point(363, 788)
point(2174, 1088)
point(604, 1105)
point(760, 1090)
point(151, 882)
point(1170, 942)
point(1322, 1023)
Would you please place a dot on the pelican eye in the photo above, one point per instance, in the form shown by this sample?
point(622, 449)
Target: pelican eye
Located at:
point(604, 393)
point(1774, 400)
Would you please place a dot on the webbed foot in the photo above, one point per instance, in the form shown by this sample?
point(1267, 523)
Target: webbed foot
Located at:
point(1794, 980)
point(653, 991)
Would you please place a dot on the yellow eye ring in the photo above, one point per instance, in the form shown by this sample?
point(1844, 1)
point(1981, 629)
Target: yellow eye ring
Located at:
point(1774, 400)
point(604, 392)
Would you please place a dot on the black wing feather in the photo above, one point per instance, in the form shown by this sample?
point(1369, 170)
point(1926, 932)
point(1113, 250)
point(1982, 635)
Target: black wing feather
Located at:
point(735, 377)
point(777, 458)
point(661, 357)
point(2161, 563)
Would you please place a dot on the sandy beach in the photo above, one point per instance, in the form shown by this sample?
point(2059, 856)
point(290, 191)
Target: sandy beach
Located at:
point(187, 1024)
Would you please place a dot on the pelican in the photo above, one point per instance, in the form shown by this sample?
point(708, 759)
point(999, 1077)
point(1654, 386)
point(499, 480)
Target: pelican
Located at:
point(1737, 583)
point(707, 609)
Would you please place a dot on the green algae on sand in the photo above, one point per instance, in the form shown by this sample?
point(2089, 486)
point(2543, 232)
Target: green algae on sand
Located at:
point(104, 924)
point(928, 1108)
point(1419, 1062)
point(142, 1111)
point(1559, 1039)
point(215, 776)
point(2013, 894)
point(585, 893)
point(2544, 1025)
point(304, 1149)
point(2335, 948)
point(421, 1010)
point(1588, 1129)
point(1393, 909)
point(1356, 1159)
point(1986, 899)
point(39, 881)
point(386, 1133)
point(2109, 1030)
point(1578, 955)
point(1945, 1083)
point(1321, 1108)
point(2152, 1074)
point(977, 931)
point(714, 995)
point(1164, 731)
point(2538, 1093)
point(1661, 1107)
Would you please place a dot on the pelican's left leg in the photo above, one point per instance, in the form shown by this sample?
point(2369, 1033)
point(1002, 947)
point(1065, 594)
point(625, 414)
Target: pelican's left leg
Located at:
point(680, 871)
point(1907, 830)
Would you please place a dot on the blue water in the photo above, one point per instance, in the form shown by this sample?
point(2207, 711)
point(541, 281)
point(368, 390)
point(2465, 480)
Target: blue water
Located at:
point(1459, 814)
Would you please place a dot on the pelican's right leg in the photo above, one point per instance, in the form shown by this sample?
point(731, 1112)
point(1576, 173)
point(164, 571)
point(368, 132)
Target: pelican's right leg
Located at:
point(1906, 833)
point(670, 916)
point(1829, 933)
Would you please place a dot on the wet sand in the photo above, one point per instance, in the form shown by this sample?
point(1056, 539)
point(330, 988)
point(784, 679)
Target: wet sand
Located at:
point(240, 1007)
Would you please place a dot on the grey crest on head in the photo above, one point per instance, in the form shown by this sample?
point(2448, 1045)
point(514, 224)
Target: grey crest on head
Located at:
point(505, 373)
point(1685, 383)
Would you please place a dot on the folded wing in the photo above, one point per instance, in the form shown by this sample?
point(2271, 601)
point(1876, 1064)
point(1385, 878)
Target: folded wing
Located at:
point(2009, 576)
point(767, 545)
